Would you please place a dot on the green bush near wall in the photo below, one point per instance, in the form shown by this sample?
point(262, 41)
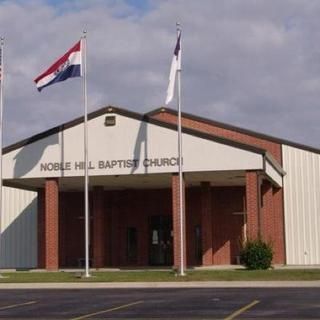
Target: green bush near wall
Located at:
point(256, 254)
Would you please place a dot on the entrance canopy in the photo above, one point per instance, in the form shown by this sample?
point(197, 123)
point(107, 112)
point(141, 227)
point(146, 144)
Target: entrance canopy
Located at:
point(129, 150)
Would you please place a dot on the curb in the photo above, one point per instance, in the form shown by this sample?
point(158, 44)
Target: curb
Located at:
point(154, 285)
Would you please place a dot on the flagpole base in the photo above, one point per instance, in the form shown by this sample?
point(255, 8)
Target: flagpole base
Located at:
point(179, 273)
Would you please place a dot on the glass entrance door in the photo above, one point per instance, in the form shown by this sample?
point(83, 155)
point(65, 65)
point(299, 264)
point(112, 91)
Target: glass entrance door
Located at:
point(160, 241)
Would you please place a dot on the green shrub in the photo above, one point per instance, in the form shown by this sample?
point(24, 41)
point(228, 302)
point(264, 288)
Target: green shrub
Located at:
point(256, 255)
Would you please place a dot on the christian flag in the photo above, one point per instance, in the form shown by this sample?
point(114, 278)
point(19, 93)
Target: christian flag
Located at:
point(68, 66)
point(175, 66)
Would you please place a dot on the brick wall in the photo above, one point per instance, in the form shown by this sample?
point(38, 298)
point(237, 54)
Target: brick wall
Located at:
point(50, 222)
point(71, 233)
point(41, 230)
point(252, 204)
point(268, 218)
point(227, 226)
point(278, 239)
point(274, 210)
point(272, 147)
point(122, 209)
point(99, 226)
point(177, 224)
point(133, 208)
point(206, 223)
point(193, 220)
point(272, 220)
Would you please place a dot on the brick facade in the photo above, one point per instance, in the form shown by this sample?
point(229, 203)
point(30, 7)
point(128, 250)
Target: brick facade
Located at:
point(253, 204)
point(228, 224)
point(48, 225)
point(135, 209)
point(121, 232)
point(176, 218)
point(209, 208)
point(206, 224)
point(272, 216)
point(99, 241)
point(279, 232)
point(41, 230)
point(212, 128)
point(272, 227)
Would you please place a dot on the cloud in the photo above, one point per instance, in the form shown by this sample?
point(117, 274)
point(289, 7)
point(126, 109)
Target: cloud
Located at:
point(254, 64)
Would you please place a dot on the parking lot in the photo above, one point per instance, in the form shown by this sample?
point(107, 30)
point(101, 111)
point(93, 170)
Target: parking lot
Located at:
point(192, 303)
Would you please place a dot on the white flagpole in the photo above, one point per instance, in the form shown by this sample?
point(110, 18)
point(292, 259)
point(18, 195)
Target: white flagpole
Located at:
point(181, 198)
point(86, 176)
point(1, 121)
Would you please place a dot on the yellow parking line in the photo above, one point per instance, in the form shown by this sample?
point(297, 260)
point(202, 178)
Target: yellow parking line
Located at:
point(17, 305)
point(243, 309)
point(107, 310)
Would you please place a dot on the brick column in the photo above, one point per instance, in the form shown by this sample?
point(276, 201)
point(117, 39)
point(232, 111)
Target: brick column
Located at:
point(99, 228)
point(115, 230)
point(206, 224)
point(176, 223)
point(253, 204)
point(267, 212)
point(41, 230)
point(51, 223)
point(279, 237)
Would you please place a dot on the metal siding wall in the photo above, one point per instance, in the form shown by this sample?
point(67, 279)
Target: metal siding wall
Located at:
point(18, 243)
point(302, 205)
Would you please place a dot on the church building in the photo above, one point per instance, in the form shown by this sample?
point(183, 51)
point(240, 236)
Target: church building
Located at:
point(237, 185)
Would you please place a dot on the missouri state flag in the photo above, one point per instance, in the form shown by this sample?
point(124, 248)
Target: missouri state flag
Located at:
point(68, 66)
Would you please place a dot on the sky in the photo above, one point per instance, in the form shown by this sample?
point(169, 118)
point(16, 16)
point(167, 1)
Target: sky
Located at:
point(254, 64)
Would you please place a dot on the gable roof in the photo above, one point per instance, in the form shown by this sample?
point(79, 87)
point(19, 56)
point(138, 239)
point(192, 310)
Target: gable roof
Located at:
point(234, 128)
point(142, 117)
point(205, 151)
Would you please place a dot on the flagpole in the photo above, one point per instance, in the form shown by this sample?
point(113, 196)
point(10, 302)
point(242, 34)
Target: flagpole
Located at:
point(181, 198)
point(1, 121)
point(86, 176)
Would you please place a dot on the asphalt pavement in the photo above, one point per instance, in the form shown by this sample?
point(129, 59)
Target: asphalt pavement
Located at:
point(161, 303)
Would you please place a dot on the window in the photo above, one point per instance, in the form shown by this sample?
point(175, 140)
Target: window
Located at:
point(132, 245)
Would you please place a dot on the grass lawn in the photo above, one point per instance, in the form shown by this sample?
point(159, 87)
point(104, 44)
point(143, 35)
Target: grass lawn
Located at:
point(156, 276)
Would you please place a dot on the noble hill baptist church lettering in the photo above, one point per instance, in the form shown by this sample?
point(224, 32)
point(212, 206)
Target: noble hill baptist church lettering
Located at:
point(109, 164)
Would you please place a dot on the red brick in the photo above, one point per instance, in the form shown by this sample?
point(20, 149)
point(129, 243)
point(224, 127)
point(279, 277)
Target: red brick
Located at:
point(207, 127)
point(51, 224)
point(227, 226)
point(134, 208)
point(252, 204)
point(41, 230)
point(206, 224)
point(177, 254)
point(99, 227)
